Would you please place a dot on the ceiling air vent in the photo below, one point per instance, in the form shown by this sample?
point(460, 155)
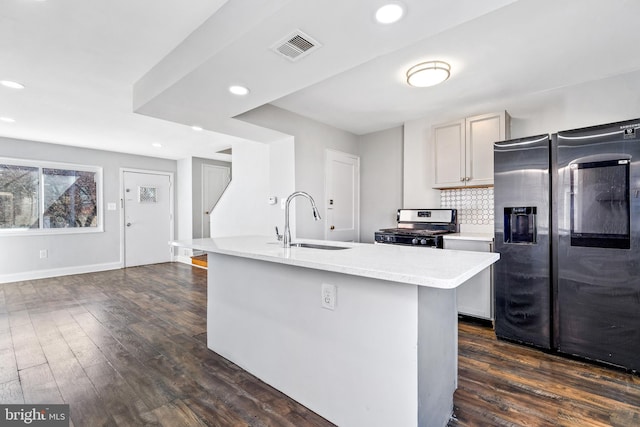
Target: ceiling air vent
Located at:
point(295, 46)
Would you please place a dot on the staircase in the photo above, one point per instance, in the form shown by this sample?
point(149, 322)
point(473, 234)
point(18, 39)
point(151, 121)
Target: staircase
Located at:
point(199, 260)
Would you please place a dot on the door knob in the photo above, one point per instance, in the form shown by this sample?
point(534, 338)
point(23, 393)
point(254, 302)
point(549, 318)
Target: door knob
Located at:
point(333, 227)
point(128, 224)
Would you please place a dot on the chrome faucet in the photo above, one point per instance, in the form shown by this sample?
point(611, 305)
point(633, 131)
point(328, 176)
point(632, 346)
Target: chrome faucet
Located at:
point(287, 230)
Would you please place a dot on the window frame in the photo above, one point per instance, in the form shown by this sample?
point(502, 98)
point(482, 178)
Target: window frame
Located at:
point(99, 228)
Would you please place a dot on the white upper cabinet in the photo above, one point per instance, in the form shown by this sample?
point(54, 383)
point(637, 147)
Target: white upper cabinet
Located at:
point(464, 149)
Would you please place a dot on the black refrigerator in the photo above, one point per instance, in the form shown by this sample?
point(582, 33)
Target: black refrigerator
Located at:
point(522, 276)
point(567, 216)
point(597, 232)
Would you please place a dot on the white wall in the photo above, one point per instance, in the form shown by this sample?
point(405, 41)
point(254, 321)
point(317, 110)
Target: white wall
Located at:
point(184, 198)
point(587, 104)
point(71, 253)
point(593, 103)
point(418, 175)
point(311, 140)
point(282, 181)
point(380, 180)
point(184, 225)
point(242, 208)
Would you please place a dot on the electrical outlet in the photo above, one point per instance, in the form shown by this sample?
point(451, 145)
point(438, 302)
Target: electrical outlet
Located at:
point(329, 296)
point(44, 253)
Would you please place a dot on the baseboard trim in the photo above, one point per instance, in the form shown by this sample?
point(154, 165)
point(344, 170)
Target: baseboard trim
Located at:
point(182, 259)
point(55, 272)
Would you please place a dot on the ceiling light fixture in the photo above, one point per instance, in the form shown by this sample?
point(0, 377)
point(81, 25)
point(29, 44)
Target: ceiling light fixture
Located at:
point(157, 145)
point(428, 73)
point(238, 90)
point(11, 84)
point(7, 119)
point(389, 13)
point(196, 128)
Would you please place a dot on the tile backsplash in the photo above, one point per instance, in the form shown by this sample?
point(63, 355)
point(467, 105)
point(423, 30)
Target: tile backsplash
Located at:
point(474, 205)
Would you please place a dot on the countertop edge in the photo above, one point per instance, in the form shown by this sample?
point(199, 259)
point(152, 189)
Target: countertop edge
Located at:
point(380, 274)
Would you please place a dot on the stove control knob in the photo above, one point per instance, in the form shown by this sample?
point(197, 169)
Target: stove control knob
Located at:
point(423, 241)
point(414, 241)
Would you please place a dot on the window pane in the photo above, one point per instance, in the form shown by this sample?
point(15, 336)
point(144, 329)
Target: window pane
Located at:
point(18, 197)
point(70, 198)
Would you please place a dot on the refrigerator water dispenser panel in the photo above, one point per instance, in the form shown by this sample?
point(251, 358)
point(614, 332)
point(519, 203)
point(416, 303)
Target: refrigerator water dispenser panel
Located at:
point(520, 225)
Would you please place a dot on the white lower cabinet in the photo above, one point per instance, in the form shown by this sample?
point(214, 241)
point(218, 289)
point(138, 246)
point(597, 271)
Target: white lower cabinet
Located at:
point(475, 297)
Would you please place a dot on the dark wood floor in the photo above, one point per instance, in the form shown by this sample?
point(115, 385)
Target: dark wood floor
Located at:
point(127, 347)
point(503, 384)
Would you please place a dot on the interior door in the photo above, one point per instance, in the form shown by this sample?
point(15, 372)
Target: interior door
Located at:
point(214, 181)
point(342, 202)
point(147, 218)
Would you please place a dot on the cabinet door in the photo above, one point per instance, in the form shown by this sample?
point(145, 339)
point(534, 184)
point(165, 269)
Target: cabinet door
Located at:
point(475, 296)
point(481, 133)
point(449, 146)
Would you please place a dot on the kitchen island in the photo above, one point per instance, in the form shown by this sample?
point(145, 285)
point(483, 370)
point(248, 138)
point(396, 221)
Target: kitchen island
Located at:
point(364, 336)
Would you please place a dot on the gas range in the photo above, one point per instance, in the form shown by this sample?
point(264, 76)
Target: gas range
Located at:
point(420, 227)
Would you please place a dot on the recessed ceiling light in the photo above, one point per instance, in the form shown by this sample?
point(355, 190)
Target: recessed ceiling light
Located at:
point(7, 119)
point(389, 13)
point(428, 73)
point(157, 145)
point(238, 90)
point(196, 128)
point(11, 84)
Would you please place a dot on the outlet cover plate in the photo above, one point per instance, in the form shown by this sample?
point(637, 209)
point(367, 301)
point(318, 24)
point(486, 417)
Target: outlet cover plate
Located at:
point(329, 296)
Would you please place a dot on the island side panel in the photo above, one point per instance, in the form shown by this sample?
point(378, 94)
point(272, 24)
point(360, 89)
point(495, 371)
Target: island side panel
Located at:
point(356, 365)
point(438, 338)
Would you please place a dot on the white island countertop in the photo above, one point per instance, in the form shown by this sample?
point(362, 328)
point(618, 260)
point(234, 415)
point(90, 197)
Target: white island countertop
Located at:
point(436, 268)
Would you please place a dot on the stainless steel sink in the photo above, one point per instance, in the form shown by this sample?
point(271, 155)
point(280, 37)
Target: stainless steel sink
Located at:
point(315, 246)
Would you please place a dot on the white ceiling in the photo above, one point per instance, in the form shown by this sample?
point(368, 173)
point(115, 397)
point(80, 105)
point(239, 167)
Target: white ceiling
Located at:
point(79, 60)
point(87, 65)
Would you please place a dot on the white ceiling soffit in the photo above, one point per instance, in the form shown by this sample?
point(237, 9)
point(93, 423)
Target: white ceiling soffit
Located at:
point(79, 60)
point(191, 83)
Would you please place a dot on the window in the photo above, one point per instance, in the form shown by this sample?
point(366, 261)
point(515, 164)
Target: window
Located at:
point(49, 197)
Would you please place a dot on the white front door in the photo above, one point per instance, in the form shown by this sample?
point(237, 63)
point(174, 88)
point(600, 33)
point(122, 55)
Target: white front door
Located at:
point(148, 217)
point(342, 196)
point(214, 181)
